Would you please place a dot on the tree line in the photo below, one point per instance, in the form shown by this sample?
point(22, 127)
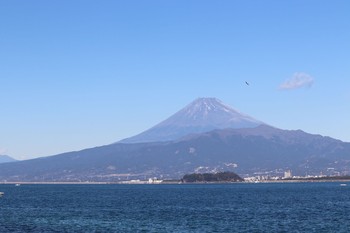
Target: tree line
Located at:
point(212, 177)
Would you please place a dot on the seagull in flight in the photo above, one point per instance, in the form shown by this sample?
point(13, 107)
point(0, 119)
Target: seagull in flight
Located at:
point(246, 83)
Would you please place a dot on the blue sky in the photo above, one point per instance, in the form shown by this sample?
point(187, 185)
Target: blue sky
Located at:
point(79, 74)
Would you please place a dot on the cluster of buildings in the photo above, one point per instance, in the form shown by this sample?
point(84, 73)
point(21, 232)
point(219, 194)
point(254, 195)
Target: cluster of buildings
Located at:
point(287, 175)
point(149, 181)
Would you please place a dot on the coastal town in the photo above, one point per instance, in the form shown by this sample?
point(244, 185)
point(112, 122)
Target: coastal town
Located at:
point(258, 178)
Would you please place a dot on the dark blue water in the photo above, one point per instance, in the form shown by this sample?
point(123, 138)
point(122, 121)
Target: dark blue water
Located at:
point(298, 207)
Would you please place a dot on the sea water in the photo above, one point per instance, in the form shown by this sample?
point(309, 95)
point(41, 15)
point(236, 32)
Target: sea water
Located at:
point(275, 207)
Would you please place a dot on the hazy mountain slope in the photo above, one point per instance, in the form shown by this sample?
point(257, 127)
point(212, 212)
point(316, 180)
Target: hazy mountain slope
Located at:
point(6, 159)
point(202, 115)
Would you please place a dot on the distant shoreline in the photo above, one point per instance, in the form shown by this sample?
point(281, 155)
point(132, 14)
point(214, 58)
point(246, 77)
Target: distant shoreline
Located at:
point(58, 182)
point(179, 182)
point(300, 181)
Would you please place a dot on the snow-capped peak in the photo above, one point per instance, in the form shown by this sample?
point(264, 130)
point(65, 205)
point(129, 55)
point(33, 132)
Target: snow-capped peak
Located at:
point(203, 114)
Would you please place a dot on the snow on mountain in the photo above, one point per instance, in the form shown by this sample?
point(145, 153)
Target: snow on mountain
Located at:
point(202, 115)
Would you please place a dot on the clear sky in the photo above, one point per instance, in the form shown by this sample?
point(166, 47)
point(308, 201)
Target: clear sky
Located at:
point(79, 74)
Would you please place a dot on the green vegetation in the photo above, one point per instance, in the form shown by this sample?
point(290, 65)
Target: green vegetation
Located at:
point(212, 177)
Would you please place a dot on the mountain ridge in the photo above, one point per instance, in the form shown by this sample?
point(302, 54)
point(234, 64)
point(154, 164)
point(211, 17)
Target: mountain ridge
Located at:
point(243, 151)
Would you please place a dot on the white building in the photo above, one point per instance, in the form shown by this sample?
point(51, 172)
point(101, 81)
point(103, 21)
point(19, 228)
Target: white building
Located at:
point(287, 174)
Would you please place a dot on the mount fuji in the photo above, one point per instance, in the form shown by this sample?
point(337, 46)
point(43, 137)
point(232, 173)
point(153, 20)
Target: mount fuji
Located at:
point(205, 136)
point(202, 115)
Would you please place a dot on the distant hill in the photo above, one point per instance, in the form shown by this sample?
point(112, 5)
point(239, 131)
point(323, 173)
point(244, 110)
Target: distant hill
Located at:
point(6, 159)
point(202, 115)
point(245, 151)
point(211, 177)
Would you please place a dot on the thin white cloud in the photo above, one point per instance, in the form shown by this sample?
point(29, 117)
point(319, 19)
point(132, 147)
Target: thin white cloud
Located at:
point(298, 80)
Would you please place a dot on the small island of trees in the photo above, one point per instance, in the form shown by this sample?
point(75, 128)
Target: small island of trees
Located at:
point(211, 177)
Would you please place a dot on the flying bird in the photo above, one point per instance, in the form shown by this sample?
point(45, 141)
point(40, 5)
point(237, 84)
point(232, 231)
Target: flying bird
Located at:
point(246, 83)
